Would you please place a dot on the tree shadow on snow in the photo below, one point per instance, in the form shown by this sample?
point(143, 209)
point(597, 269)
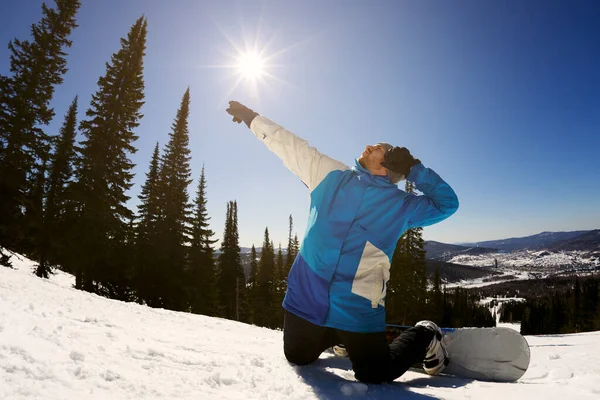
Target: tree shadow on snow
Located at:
point(324, 377)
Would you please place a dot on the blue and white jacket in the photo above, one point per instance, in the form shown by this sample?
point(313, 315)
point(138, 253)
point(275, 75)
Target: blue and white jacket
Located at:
point(339, 277)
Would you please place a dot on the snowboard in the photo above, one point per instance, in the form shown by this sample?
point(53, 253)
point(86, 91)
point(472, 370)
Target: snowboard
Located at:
point(486, 354)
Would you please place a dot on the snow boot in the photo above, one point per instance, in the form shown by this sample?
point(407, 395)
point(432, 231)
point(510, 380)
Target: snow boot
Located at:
point(436, 357)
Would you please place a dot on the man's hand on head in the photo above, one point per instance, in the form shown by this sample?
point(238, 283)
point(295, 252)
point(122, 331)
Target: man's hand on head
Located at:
point(241, 113)
point(399, 159)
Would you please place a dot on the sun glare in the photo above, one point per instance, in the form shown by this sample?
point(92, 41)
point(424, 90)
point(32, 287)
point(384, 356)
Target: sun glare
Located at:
point(251, 65)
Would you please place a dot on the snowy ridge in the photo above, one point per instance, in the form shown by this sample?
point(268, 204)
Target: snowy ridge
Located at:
point(60, 343)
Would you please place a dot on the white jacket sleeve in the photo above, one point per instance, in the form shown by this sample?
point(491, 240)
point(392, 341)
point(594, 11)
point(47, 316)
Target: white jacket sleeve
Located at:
point(304, 161)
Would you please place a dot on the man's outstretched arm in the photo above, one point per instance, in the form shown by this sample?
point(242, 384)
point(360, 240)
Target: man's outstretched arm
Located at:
point(303, 160)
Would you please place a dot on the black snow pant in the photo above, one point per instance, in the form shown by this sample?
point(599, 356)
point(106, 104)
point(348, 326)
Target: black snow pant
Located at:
point(373, 360)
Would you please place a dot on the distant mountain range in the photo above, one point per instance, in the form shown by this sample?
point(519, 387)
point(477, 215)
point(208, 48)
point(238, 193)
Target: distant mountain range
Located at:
point(534, 242)
point(551, 241)
point(589, 241)
point(443, 251)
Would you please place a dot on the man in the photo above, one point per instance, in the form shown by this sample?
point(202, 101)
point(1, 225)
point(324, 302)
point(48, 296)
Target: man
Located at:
point(337, 284)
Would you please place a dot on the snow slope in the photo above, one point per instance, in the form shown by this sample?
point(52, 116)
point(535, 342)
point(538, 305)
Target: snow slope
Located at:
point(60, 343)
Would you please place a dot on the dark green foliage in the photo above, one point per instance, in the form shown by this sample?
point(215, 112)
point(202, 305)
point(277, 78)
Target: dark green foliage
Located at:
point(149, 211)
point(58, 215)
point(120, 279)
point(202, 272)
point(296, 246)
point(279, 265)
point(512, 311)
point(252, 286)
point(37, 67)
point(436, 304)
point(266, 286)
point(173, 226)
point(103, 173)
point(147, 244)
point(576, 309)
point(292, 250)
point(253, 266)
point(553, 305)
point(462, 309)
point(279, 287)
point(231, 284)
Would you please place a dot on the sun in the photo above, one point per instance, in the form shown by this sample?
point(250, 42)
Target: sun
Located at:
point(251, 65)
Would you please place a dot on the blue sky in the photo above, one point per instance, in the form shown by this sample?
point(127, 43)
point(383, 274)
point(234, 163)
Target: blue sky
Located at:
point(501, 98)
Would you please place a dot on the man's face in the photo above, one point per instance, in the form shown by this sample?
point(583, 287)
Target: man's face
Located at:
point(372, 157)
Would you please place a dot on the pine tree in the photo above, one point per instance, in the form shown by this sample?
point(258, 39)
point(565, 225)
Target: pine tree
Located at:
point(253, 266)
point(291, 251)
point(121, 284)
point(37, 67)
point(203, 276)
point(103, 173)
point(296, 246)
point(226, 269)
point(149, 207)
point(147, 242)
point(591, 304)
point(279, 288)
point(231, 281)
point(33, 221)
point(242, 304)
point(265, 291)
point(407, 288)
point(174, 228)
point(279, 265)
point(253, 286)
point(53, 245)
point(577, 306)
point(437, 306)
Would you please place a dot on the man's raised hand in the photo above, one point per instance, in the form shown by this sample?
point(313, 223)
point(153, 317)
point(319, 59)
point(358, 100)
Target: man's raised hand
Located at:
point(241, 113)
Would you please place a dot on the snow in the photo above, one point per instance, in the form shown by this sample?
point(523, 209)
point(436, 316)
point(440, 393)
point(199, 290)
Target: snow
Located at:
point(540, 261)
point(487, 281)
point(60, 343)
